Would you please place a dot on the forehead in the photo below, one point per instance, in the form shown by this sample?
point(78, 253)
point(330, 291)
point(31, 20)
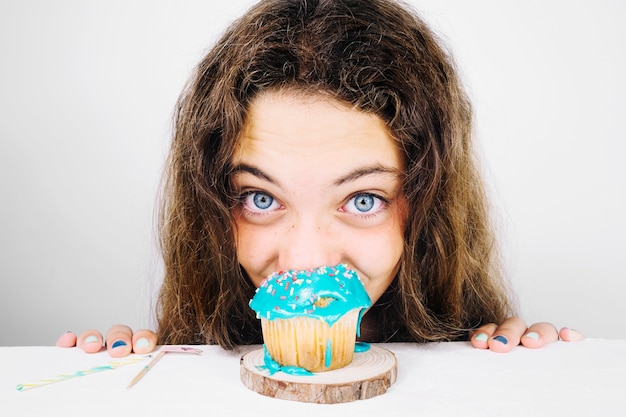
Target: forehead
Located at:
point(301, 126)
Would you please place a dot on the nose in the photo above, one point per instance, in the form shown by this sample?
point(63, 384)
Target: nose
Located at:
point(310, 244)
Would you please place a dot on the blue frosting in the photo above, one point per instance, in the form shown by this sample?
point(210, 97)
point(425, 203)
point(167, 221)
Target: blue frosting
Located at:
point(326, 293)
point(361, 347)
point(272, 366)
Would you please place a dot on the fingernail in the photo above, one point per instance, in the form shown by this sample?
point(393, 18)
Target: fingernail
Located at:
point(532, 335)
point(570, 335)
point(143, 342)
point(91, 339)
point(481, 337)
point(501, 339)
point(118, 343)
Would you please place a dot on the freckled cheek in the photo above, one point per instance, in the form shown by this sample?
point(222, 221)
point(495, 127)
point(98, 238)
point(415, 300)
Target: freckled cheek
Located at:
point(384, 257)
point(382, 275)
point(378, 263)
point(252, 251)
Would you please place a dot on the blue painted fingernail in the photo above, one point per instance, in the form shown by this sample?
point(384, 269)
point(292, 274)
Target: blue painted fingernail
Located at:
point(501, 339)
point(481, 337)
point(532, 335)
point(118, 343)
point(91, 339)
point(143, 342)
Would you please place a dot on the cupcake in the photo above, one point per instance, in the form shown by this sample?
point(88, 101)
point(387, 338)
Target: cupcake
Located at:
point(310, 318)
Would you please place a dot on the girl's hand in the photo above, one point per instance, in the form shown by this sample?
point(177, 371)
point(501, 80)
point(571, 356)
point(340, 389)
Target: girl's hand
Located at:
point(513, 331)
point(120, 341)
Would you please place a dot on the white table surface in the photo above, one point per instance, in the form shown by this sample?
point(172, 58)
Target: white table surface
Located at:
point(587, 378)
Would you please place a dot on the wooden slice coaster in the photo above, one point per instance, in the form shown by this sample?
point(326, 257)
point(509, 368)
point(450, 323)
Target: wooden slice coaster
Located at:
point(370, 374)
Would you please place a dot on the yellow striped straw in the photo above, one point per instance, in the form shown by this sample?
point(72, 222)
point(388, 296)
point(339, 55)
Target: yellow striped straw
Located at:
point(64, 377)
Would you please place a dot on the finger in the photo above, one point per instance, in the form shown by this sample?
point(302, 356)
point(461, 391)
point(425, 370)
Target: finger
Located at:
point(570, 335)
point(67, 340)
point(507, 335)
point(119, 341)
point(90, 341)
point(480, 337)
point(144, 341)
point(540, 334)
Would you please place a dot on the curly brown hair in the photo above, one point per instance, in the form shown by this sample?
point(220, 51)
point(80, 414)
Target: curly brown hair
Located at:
point(380, 57)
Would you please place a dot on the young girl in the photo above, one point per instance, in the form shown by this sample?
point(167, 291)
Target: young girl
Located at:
point(320, 132)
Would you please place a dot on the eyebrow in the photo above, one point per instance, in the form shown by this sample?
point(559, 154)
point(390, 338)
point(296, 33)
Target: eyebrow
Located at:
point(351, 176)
point(254, 171)
point(362, 172)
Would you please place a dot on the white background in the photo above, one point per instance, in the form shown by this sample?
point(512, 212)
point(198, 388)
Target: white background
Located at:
point(87, 90)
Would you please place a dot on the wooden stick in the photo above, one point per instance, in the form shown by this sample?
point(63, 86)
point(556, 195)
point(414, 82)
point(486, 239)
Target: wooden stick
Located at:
point(146, 368)
point(164, 350)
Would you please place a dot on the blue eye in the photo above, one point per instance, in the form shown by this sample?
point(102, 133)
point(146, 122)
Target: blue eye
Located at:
point(364, 204)
point(262, 201)
point(258, 201)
